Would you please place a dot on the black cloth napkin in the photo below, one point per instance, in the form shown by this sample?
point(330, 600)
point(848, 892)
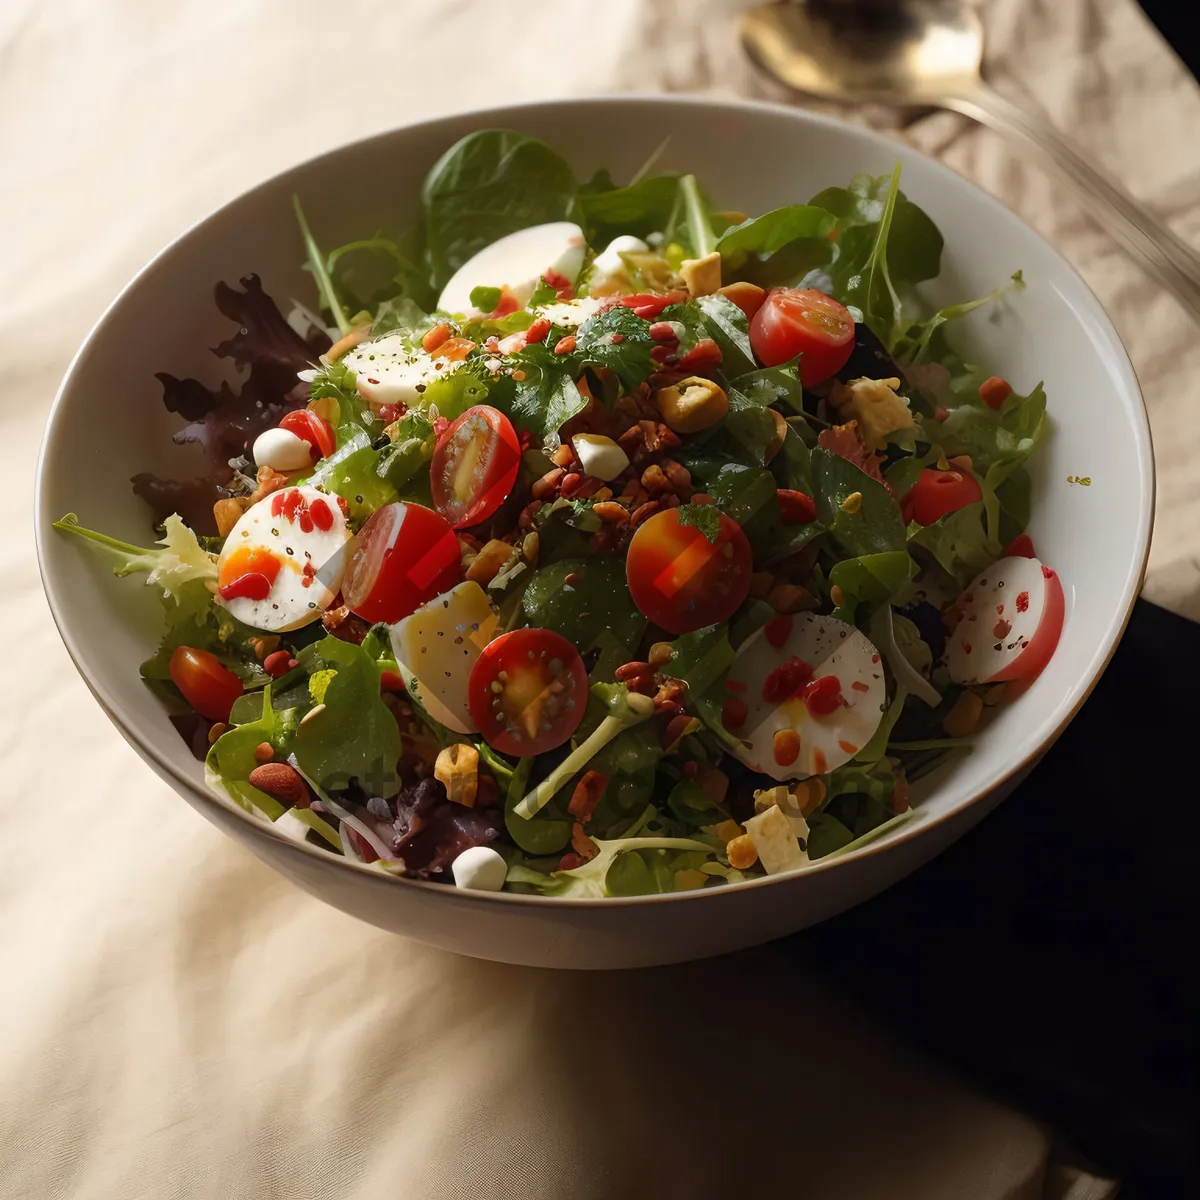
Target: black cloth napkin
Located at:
point(1050, 955)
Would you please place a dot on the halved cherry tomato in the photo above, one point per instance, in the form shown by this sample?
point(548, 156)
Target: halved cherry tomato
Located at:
point(208, 686)
point(937, 493)
point(803, 321)
point(318, 433)
point(403, 556)
point(681, 580)
point(528, 691)
point(474, 466)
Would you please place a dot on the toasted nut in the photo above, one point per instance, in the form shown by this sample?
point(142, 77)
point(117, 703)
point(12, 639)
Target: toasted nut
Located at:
point(900, 799)
point(587, 795)
point(269, 480)
point(654, 481)
point(345, 625)
point(600, 456)
point(530, 545)
point(670, 500)
point(215, 730)
point(312, 714)
point(281, 782)
point(227, 513)
point(278, 663)
point(611, 513)
point(693, 404)
point(602, 494)
point(457, 770)
point(678, 476)
point(742, 852)
point(630, 669)
point(565, 344)
point(808, 794)
point(964, 716)
point(489, 561)
point(548, 484)
point(792, 598)
point(564, 456)
point(780, 435)
point(748, 297)
point(761, 583)
point(571, 483)
point(263, 644)
point(852, 502)
point(643, 513)
point(837, 596)
point(344, 344)
point(264, 752)
point(660, 654)
point(701, 276)
point(714, 783)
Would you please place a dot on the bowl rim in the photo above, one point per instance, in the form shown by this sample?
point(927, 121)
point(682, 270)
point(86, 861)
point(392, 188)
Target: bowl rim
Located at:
point(165, 765)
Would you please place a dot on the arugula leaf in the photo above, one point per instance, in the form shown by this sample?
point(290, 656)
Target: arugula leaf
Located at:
point(353, 735)
point(487, 185)
point(315, 263)
point(778, 247)
point(704, 517)
point(691, 221)
point(875, 527)
point(876, 748)
point(914, 346)
point(232, 754)
point(959, 542)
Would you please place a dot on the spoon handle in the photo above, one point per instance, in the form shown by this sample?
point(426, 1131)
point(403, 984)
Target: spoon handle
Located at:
point(1168, 259)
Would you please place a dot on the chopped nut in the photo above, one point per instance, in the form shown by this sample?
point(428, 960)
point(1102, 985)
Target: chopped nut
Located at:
point(780, 435)
point(215, 730)
point(660, 654)
point(311, 715)
point(564, 456)
point(457, 770)
point(693, 404)
point(345, 625)
point(530, 546)
point(489, 562)
point(654, 481)
point(600, 456)
point(227, 513)
point(269, 480)
point(678, 476)
point(264, 752)
point(701, 276)
point(571, 483)
point(742, 852)
point(792, 598)
point(837, 596)
point(611, 513)
point(347, 343)
point(263, 644)
point(852, 502)
point(548, 484)
point(644, 513)
point(281, 782)
point(963, 716)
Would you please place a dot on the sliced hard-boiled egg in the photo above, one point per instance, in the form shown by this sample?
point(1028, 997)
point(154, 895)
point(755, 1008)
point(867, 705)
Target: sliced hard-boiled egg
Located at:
point(804, 695)
point(282, 563)
point(388, 372)
point(437, 646)
point(1010, 619)
point(517, 262)
point(608, 267)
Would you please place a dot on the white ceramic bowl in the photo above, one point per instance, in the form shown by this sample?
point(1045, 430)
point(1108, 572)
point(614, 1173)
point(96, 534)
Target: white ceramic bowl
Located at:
point(108, 422)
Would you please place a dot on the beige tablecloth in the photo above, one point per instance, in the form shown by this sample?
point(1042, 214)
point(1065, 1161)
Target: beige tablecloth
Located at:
point(178, 1021)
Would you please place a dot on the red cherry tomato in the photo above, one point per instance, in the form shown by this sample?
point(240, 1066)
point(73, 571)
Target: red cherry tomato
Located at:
point(528, 691)
point(937, 493)
point(680, 579)
point(474, 466)
point(207, 686)
point(807, 322)
point(316, 431)
point(403, 556)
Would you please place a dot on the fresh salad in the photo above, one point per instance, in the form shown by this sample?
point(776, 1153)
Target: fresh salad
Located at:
point(594, 540)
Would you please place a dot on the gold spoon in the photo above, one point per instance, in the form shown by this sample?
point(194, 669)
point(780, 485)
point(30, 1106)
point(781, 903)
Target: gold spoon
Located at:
point(928, 53)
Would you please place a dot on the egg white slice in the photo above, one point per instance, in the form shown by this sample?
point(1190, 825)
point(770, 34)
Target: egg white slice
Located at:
point(304, 531)
point(829, 647)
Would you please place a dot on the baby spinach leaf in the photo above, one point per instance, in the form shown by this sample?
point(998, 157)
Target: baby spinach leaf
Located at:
point(354, 735)
point(875, 527)
point(959, 542)
point(767, 386)
point(826, 834)
point(641, 208)
point(596, 602)
point(749, 495)
point(780, 246)
point(487, 185)
point(232, 754)
point(871, 580)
